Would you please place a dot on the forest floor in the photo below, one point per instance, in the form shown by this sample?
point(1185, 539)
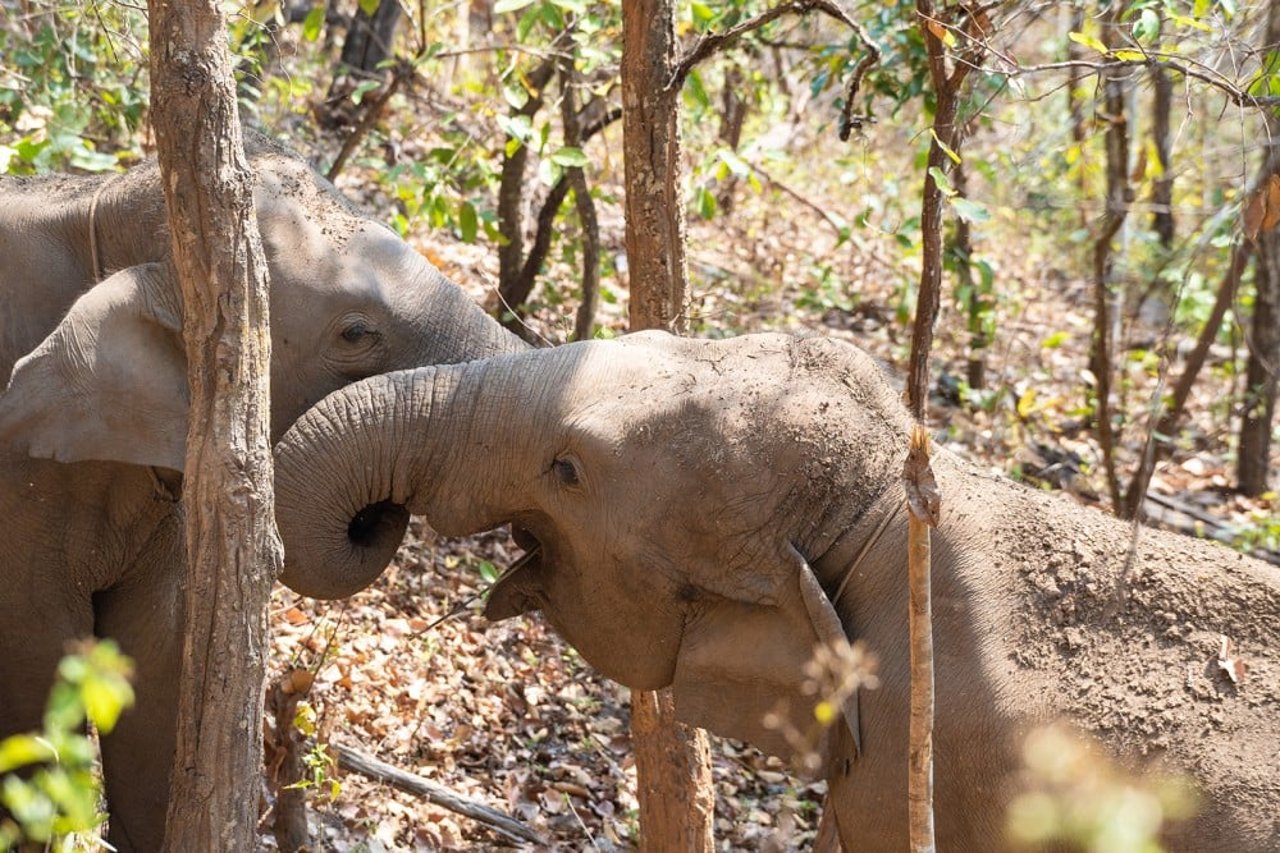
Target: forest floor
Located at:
point(509, 715)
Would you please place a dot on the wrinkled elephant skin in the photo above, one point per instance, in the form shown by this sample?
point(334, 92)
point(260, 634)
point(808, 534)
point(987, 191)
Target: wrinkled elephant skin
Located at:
point(697, 505)
point(93, 420)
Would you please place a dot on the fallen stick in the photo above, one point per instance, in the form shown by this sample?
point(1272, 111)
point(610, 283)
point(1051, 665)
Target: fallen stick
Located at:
point(366, 765)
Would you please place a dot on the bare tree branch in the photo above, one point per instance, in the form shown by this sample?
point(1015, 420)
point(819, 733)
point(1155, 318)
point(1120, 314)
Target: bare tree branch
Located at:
point(712, 43)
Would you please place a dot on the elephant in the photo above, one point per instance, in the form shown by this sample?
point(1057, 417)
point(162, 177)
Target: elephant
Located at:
point(702, 514)
point(93, 419)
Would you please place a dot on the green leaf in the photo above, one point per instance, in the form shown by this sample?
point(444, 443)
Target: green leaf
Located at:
point(468, 222)
point(1147, 27)
point(312, 24)
point(698, 92)
point(1130, 55)
point(503, 6)
point(702, 13)
point(1055, 341)
point(570, 158)
point(970, 211)
point(942, 181)
point(1088, 41)
point(487, 570)
point(706, 203)
point(364, 88)
point(370, 6)
point(577, 7)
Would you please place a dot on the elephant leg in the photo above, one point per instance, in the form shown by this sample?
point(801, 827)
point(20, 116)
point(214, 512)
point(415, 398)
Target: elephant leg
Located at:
point(35, 630)
point(145, 618)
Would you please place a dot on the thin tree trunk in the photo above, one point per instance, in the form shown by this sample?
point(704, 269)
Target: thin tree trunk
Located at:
point(976, 303)
point(1119, 195)
point(1263, 371)
point(233, 550)
point(673, 766)
point(1075, 104)
point(511, 187)
point(1166, 427)
point(1162, 191)
point(1262, 375)
point(586, 316)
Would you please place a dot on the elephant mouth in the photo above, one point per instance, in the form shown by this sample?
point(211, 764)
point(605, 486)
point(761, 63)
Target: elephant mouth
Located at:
point(518, 590)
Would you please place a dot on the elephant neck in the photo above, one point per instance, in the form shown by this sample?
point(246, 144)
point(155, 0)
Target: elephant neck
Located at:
point(858, 540)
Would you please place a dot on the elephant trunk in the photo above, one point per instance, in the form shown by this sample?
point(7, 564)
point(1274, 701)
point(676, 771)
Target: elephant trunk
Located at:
point(352, 469)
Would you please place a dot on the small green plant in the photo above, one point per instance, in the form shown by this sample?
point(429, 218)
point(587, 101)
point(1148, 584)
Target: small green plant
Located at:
point(319, 762)
point(56, 795)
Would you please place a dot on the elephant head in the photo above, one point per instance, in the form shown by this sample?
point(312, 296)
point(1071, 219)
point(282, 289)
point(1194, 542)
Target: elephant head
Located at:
point(348, 298)
point(674, 495)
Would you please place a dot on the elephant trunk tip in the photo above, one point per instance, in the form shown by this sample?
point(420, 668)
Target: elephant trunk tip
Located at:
point(378, 523)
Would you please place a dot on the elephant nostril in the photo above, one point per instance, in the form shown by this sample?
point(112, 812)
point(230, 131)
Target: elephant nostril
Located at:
point(375, 521)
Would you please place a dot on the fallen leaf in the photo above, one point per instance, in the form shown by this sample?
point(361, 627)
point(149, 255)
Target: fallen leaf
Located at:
point(1234, 667)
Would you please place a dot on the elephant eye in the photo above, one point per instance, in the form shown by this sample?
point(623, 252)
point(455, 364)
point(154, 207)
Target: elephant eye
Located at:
point(353, 332)
point(358, 330)
point(566, 472)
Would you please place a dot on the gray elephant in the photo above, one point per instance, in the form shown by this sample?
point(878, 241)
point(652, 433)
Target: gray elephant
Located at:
point(702, 514)
point(93, 422)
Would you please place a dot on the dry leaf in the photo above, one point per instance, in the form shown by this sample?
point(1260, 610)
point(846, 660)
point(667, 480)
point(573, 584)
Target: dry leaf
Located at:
point(1273, 203)
point(1234, 667)
point(940, 32)
point(923, 497)
point(1263, 210)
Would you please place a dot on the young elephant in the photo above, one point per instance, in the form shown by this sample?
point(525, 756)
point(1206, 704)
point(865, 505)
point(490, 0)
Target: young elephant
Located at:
point(93, 422)
point(703, 513)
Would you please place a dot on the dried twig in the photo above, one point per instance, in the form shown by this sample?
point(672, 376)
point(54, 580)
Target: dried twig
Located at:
point(355, 761)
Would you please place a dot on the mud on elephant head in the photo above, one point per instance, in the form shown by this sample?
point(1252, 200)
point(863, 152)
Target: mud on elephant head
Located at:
point(702, 514)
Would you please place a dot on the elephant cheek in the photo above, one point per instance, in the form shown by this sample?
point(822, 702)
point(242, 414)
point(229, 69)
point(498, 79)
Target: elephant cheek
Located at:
point(635, 646)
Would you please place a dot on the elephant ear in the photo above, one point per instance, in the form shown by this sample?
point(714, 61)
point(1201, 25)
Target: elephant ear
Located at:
point(720, 687)
point(109, 383)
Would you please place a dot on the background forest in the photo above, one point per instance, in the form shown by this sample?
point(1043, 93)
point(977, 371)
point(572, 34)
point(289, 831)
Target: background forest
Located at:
point(1110, 311)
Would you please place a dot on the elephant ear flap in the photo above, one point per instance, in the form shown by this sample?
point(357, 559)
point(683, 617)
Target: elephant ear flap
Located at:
point(763, 696)
point(109, 383)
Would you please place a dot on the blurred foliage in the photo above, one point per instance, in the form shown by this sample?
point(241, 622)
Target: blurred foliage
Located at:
point(47, 779)
point(1075, 798)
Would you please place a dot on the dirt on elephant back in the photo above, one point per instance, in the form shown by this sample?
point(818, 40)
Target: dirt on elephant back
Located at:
point(1168, 653)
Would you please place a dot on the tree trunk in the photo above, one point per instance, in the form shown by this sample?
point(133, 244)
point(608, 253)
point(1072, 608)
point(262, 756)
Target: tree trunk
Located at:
point(1162, 191)
point(651, 156)
point(371, 37)
point(233, 550)
point(1263, 371)
point(1119, 195)
point(1075, 104)
point(673, 767)
point(1254, 453)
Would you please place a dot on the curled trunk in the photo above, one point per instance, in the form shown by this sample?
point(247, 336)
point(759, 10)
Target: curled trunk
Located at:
point(350, 471)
